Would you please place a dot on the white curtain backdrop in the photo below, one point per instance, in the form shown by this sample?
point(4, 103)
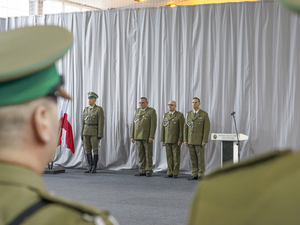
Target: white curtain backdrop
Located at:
point(242, 57)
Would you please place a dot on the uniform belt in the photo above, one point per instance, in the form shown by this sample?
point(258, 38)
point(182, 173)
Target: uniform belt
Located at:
point(90, 124)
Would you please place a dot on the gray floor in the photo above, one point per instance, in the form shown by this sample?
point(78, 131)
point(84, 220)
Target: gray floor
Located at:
point(132, 200)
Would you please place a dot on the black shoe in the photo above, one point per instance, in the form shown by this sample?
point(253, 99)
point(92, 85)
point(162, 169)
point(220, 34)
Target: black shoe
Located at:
point(175, 176)
point(168, 176)
point(192, 178)
point(140, 174)
point(200, 178)
point(148, 175)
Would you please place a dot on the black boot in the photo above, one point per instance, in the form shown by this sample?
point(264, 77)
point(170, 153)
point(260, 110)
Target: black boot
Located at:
point(90, 162)
point(95, 164)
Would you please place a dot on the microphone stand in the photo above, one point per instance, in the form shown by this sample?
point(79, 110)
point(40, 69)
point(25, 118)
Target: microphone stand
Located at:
point(237, 134)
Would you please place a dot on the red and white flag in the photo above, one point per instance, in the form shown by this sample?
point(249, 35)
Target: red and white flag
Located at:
point(66, 132)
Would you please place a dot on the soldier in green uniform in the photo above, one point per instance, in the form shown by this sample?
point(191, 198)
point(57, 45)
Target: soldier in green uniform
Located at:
point(29, 87)
point(92, 130)
point(171, 137)
point(262, 190)
point(196, 132)
point(142, 132)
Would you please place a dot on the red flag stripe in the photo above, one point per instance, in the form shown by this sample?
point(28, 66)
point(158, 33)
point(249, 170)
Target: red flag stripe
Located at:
point(69, 133)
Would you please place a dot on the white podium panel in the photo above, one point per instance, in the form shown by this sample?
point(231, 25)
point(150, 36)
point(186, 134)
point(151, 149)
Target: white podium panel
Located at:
point(229, 148)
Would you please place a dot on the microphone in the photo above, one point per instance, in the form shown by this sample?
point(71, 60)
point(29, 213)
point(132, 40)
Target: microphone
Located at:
point(233, 113)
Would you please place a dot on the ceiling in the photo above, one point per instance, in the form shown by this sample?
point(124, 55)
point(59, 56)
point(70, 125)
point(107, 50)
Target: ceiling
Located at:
point(114, 4)
point(15, 8)
point(109, 4)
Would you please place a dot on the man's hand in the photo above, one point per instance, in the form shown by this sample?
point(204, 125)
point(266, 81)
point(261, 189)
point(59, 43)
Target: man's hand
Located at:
point(179, 143)
point(132, 140)
point(186, 143)
point(163, 143)
point(203, 144)
point(150, 140)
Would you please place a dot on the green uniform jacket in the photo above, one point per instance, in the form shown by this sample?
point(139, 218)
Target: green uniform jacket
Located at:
point(20, 188)
point(93, 121)
point(144, 124)
point(259, 191)
point(196, 128)
point(172, 128)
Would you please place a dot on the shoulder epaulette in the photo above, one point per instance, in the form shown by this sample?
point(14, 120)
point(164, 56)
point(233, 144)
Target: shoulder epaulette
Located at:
point(72, 204)
point(249, 162)
point(203, 111)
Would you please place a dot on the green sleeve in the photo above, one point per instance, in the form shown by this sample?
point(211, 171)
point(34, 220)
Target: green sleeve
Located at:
point(206, 129)
point(153, 124)
point(132, 127)
point(181, 127)
point(162, 135)
point(185, 132)
point(100, 122)
point(82, 126)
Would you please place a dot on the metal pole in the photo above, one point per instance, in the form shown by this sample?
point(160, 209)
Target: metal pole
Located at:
point(237, 134)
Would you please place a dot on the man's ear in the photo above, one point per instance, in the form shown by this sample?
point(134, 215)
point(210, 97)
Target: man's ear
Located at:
point(42, 124)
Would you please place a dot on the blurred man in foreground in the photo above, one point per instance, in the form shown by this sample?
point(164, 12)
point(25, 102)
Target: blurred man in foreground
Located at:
point(29, 86)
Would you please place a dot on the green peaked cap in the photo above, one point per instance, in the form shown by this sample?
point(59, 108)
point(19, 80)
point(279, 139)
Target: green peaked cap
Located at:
point(93, 95)
point(27, 62)
point(293, 5)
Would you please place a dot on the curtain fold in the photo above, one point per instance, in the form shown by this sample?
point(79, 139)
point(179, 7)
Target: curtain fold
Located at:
point(241, 57)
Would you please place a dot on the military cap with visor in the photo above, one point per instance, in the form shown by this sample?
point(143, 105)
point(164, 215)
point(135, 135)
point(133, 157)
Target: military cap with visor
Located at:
point(92, 95)
point(27, 63)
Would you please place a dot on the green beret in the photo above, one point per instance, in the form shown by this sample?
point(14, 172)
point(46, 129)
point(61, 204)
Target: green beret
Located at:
point(27, 63)
point(291, 4)
point(93, 95)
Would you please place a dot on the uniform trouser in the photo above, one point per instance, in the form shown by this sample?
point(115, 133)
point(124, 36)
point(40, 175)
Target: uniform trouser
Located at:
point(173, 158)
point(91, 142)
point(145, 155)
point(197, 159)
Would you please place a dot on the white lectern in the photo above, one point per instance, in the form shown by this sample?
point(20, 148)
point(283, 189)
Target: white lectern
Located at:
point(229, 147)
